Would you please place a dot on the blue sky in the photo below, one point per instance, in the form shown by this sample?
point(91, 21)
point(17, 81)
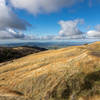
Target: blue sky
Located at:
point(48, 23)
point(35, 20)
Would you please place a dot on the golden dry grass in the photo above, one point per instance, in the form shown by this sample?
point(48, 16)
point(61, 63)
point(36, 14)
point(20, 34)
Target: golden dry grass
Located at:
point(63, 74)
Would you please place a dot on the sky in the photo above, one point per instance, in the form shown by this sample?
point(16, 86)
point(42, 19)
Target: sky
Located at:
point(49, 19)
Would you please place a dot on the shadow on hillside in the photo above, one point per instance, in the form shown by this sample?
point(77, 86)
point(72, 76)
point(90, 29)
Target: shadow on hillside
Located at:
point(7, 54)
point(80, 85)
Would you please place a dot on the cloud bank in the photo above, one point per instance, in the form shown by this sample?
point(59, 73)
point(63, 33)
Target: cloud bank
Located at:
point(11, 34)
point(11, 25)
point(9, 20)
point(43, 6)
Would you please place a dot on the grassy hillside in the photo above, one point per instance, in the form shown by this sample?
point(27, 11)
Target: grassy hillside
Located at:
point(10, 53)
point(71, 73)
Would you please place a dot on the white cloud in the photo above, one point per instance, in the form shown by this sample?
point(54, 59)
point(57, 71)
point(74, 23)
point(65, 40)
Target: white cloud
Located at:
point(10, 20)
point(43, 6)
point(16, 34)
point(5, 35)
point(94, 33)
point(11, 34)
point(69, 37)
point(70, 29)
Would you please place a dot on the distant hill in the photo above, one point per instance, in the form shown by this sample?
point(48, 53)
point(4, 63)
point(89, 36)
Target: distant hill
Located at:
point(71, 73)
point(48, 45)
point(10, 53)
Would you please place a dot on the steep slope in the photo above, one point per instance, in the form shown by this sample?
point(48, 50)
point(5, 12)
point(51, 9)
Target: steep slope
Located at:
point(10, 53)
point(71, 73)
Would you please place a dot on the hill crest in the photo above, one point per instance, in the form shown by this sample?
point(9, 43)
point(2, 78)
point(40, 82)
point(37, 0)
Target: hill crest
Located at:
point(71, 73)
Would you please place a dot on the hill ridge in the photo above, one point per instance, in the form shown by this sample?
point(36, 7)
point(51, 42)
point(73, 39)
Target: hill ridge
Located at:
point(71, 73)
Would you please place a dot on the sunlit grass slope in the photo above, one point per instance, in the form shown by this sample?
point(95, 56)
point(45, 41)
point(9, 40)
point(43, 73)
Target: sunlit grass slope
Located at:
point(71, 73)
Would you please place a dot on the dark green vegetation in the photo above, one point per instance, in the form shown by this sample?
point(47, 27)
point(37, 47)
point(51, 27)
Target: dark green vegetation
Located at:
point(10, 53)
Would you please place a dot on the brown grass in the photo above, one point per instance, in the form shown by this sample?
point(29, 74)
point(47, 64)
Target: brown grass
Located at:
point(71, 73)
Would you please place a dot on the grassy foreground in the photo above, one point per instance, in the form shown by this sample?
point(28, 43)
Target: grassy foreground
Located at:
point(71, 73)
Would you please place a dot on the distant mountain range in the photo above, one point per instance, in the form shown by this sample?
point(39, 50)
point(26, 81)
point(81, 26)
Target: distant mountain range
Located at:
point(48, 45)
